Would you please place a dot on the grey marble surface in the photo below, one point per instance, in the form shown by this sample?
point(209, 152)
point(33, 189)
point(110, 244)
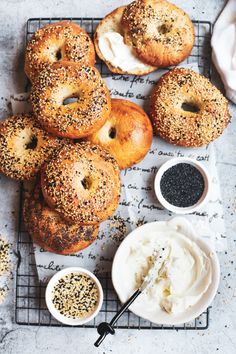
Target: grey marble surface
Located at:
point(220, 337)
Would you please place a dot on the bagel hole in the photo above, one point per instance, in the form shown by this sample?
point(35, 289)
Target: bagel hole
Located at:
point(190, 107)
point(86, 182)
point(163, 29)
point(69, 100)
point(112, 133)
point(32, 144)
point(58, 55)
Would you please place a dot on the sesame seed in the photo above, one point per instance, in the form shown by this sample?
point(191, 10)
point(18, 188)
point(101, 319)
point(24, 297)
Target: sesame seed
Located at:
point(61, 41)
point(48, 229)
point(82, 183)
point(64, 80)
point(75, 295)
point(24, 146)
point(195, 127)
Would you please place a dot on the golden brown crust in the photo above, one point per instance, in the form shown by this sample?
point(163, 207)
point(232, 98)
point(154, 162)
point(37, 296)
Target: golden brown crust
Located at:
point(50, 231)
point(82, 183)
point(24, 146)
point(66, 80)
point(60, 41)
point(183, 127)
point(127, 134)
point(161, 33)
point(112, 23)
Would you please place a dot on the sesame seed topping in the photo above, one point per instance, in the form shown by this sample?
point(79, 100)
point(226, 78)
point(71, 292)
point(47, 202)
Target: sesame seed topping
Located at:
point(82, 183)
point(161, 33)
point(49, 229)
point(207, 112)
point(61, 41)
point(75, 295)
point(67, 80)
point(24, 146)
point(5, 266)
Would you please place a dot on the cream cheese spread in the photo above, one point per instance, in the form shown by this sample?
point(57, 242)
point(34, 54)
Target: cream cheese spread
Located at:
point(183, 276)
point(117, 53)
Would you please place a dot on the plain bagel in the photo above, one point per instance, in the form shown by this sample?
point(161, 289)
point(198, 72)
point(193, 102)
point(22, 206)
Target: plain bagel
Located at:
point(127, 134)
point(187, 110)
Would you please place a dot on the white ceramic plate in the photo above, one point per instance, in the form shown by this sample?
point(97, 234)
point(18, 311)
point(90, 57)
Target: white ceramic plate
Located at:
point(119, 273)
point(48, 296)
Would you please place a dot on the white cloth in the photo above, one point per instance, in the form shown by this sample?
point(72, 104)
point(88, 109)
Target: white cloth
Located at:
point(224, 48)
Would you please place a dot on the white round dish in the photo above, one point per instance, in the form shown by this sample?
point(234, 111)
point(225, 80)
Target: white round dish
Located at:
point(170, 163)
point(55, 313)
point(119, 272)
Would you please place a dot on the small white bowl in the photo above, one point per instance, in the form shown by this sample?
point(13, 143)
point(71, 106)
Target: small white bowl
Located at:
point(182, 210)
point(48, 296)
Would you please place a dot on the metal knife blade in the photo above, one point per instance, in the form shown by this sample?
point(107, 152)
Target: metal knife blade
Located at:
point(159, 257)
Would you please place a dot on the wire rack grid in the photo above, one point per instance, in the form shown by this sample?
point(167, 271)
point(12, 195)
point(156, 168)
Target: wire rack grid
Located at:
point(30, 306)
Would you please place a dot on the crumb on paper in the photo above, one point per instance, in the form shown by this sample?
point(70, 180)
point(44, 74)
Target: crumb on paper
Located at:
point(3, 293)
point(118, 226)
point(4, 256)
point(140, 222)
point(5, 265)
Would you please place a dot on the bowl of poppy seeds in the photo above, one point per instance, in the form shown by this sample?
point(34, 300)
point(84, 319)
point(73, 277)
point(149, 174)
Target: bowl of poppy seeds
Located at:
point(182, 185)
point(74, 296)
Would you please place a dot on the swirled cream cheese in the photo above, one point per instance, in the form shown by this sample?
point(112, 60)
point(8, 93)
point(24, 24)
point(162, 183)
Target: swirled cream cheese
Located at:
point(119, 54)
point(182, 277)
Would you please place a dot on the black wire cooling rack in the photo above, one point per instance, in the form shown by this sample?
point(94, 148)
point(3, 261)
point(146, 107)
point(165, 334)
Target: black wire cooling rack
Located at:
point(30, 306)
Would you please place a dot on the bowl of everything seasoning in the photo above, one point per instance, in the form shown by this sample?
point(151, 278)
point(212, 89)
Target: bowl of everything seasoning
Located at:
point(182, 185)
point(74, 296)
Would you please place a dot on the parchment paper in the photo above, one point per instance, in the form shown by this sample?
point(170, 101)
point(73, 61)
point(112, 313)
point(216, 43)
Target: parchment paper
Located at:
point(138, 203)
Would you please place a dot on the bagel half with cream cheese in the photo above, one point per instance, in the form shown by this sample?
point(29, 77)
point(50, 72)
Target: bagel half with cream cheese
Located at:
point(110, 47)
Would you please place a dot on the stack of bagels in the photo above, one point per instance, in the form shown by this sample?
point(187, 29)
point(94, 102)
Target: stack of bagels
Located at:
point(77, 139)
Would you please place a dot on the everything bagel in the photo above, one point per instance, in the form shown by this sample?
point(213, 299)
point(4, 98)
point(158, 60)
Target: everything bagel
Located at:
point(50, 231)
point(60, 41)
point(187, 110)
point(82, 183)
point(91, 104)
point(161, 33)
point(24, 146)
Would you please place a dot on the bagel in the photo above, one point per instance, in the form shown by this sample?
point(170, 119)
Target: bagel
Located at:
point(50, 231)
point(127, 134)
point(187, 110)
point(161, 33)
point(24, 146)
point(82, 183)
point(60, 41)
point(110, 47)
point(77, 119)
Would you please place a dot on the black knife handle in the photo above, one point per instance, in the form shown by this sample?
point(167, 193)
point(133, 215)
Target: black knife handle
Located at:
point(105, 328)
